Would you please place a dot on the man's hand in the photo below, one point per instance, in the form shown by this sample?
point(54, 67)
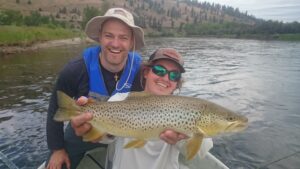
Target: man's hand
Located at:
point(58, 158)
point(80, 122)
point(172, 137)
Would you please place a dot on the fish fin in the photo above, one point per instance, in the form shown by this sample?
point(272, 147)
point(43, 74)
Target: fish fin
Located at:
point(63, 115)
point(98, 97)
point(138, 95)
point(67, 107)
point(193, 145)
point(92, 135)
point(91, 101)
point(135, 144)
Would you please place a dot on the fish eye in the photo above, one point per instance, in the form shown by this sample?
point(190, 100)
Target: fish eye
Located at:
point(230, 118)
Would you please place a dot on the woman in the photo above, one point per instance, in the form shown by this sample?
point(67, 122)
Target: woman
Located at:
point(161, 75)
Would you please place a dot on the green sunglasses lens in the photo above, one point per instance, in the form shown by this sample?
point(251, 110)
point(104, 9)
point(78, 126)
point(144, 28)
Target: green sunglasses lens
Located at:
point(174, 76)
point(161, 71)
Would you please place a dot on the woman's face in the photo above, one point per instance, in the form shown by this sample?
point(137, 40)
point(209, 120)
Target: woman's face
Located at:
point(161, 85)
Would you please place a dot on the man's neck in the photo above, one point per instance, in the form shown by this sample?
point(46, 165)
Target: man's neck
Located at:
point(111, 67)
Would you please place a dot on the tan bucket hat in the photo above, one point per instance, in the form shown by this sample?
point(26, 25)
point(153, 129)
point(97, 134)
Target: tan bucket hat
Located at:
point(93, 26)
point(170, 54)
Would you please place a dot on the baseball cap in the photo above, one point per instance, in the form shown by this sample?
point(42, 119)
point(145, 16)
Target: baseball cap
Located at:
point(170, 54)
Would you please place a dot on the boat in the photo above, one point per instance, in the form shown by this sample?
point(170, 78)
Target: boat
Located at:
point(94, 159)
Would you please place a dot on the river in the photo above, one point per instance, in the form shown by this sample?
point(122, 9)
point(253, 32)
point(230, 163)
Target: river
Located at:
point(258, 79)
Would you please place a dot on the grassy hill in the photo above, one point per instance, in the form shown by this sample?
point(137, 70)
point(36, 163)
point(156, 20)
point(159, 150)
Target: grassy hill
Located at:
point(150, 14)
point(157, 17)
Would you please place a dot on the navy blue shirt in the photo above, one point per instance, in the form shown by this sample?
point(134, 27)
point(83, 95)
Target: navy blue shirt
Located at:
point(74, 81)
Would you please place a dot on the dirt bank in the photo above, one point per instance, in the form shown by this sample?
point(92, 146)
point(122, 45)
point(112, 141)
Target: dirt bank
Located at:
point(6, 50)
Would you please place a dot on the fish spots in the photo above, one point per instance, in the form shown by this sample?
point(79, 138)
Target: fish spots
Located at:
point(148, 116)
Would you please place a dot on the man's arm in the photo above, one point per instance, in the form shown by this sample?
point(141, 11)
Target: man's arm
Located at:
point(55, 135)
point(72, 80)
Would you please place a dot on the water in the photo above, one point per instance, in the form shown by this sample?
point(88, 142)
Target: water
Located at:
point(258, 79)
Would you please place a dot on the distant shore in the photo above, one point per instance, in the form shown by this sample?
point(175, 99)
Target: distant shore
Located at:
point(15, 39)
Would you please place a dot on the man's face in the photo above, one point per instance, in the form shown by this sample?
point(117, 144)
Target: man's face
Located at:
point(116, 39)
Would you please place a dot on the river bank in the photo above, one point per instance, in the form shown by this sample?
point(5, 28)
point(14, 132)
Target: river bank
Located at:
point(7, 50)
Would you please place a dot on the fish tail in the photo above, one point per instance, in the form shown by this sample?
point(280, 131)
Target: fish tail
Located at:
point(66, 107)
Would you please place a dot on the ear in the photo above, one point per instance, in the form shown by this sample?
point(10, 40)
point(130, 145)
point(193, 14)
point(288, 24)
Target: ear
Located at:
point(146, 72)
point(99, 39)
point(132, 46)
point(179, 84)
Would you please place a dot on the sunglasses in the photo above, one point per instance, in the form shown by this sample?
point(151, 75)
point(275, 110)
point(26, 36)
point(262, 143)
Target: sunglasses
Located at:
point(162, 71)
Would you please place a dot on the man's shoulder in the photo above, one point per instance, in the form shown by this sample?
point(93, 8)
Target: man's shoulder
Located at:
point(73, 76)
point(74, 67)
point(75, 63)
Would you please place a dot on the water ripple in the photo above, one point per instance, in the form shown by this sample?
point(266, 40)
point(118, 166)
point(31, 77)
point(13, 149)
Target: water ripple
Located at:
point(258, 79)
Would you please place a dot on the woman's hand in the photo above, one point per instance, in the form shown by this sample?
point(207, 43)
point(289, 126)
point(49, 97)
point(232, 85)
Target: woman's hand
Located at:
point(58, 158)
point(172, 137)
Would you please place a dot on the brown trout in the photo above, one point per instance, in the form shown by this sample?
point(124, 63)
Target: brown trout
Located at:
point(143, 116)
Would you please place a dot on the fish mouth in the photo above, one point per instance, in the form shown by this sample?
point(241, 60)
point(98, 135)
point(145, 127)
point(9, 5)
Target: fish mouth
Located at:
point(235, 127)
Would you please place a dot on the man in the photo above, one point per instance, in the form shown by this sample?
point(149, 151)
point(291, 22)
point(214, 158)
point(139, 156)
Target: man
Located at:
point(105, 70)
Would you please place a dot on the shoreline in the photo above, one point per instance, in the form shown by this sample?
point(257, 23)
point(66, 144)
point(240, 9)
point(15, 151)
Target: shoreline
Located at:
point(9, 50)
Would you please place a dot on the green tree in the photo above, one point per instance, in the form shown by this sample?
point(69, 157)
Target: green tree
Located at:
point(63, 10)
point(181, 27)
point(104, 7)
point(172, 23)
point(88, 13)
point(35, 19)
point(11, 17)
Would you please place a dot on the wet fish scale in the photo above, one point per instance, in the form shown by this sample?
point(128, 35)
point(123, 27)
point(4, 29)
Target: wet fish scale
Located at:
point(137, 113)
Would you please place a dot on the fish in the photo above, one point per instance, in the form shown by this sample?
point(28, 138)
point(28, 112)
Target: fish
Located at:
point(143, 116)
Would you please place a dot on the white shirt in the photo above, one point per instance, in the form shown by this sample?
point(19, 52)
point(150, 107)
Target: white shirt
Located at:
point(154, 155)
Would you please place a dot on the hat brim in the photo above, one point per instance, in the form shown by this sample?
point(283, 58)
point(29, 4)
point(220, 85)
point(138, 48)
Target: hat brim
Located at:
point(182, 70)
point(93, 28)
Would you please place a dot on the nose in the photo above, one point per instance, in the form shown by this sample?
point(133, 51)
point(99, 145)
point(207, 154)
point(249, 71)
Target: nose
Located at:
point(115, 42)
point(166, 77)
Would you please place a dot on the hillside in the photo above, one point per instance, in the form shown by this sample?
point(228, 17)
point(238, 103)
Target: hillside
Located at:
point(153, 15)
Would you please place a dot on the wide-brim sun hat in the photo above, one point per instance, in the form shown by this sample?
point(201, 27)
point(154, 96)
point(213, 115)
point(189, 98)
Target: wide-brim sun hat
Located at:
point(93, 27)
